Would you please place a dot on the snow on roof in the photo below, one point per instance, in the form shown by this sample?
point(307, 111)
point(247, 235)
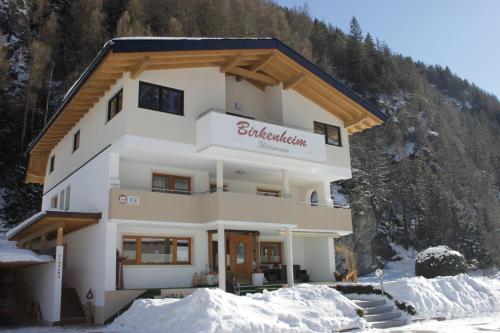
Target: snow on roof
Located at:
point(15, 255)
point(24, 224)
point(186, 38)
point(304, 308)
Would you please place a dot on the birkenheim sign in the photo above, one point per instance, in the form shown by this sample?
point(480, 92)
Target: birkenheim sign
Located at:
point(222, 130)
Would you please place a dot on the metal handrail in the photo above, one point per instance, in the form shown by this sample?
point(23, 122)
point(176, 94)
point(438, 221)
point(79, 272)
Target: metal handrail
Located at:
point(213, 190)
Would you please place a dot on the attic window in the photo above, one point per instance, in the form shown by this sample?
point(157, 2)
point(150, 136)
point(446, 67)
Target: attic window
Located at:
point(331, 133)
point(115, 105)
point(159, 98)
point(52, 163)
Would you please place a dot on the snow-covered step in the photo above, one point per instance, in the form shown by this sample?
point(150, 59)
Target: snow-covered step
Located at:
point(389, 323)
point(370, 303)
point(382, 316)
point(379, 309)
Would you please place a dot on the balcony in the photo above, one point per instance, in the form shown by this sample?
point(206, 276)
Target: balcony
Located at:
point(143, 205)
point(221, 135)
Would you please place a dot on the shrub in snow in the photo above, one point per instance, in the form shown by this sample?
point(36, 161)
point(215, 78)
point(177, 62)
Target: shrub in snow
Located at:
point(439, 261)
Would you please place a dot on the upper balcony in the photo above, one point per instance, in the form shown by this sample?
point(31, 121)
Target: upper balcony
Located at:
point(227, 136)
point(132, 204)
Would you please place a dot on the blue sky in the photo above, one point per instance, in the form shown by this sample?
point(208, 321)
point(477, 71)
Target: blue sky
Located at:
point(461, 34)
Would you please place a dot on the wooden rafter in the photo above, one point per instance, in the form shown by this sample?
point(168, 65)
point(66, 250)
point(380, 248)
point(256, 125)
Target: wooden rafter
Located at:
point(262, 62)
point(355, 121)
point(253, 75)
point(141, 66)
point(293, 82)
point(230, 63)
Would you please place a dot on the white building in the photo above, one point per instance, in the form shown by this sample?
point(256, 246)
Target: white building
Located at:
point(189, 156)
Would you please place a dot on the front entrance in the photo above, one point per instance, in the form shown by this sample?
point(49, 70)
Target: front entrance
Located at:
point(241, 254)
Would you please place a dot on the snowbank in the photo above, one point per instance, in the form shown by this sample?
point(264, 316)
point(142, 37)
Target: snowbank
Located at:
point(437, 252)
point(10, 255)
point(302, 309)
point(448, 296)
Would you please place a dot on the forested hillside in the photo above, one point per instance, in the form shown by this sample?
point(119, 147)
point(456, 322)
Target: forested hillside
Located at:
point(429, 176)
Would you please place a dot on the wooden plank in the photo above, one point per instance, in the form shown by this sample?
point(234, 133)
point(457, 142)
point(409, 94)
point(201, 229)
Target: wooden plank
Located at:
point(355, 121)
point(141, 66)
point(230, 63)
point(253, 75)
point(295, 81)
point(257, 84)
point(262, 62)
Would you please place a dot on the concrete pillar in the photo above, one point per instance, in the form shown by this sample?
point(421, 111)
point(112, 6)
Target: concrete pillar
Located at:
point(114, 170)
point(221, 256)
point(220, 176)
point(56, 308)
point(289, 257)
point(285, 183)
point(327, 193)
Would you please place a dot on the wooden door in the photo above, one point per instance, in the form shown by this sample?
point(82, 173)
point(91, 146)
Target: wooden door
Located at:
point(241, 257)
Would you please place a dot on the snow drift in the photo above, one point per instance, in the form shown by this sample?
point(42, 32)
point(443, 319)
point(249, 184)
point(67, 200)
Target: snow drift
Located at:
point(304, 308)
point(448, 296)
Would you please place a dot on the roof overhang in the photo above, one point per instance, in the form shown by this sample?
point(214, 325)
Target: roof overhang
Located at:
point(260, 61)
point(47, 222)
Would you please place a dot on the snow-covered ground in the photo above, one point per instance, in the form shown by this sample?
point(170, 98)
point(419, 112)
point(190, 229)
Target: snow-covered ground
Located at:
point(490, 323)
point(304, 308)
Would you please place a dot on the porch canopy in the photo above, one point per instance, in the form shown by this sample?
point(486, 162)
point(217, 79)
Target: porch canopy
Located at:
point(51, 224)
point(13, 258)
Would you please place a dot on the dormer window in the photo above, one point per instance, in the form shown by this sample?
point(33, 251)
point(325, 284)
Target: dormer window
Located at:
point(331, 133)
point(52, 163)
point(159, 98)
point(115, 105)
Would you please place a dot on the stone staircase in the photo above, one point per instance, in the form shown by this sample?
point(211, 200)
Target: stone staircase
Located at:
point(378, 312)
point(71, 308)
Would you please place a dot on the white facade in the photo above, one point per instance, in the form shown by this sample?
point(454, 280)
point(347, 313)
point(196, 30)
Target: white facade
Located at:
point(124, 153)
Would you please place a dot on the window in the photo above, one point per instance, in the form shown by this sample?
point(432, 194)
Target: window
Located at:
point(66, 201)
point(163, 99)
point(270, 253)
point(76, 140)
point(62, 196)
point(268, 193)
point(53, 202)
point(314, 199)
point(115, 105)
point(171, 184)
point(331, 133)
point(157, 250)
point(52, 163)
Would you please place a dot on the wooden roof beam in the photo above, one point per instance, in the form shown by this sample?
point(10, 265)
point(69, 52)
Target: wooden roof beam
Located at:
point(355, 121)
point(253, 75)
point(230, 63)
point(140, 67)
point(262, 62)
point(293, 82)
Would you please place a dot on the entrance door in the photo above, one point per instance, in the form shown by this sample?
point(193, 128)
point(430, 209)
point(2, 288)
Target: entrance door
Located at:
point(241, 257)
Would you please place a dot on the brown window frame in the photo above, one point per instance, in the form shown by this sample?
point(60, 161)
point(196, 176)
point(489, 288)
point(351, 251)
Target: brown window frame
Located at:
point(268, 192)
point(138, 252)
point(269, 261)
point(170, 183)
point(325, 129)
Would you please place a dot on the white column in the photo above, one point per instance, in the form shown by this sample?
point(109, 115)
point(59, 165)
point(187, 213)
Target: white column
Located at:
point(220, 175)
point(285, 183)
point(221, 256)
point(327, 193)
point(289, 257)
point(331, 257)
point(56, 309)
point(114, 169)
point(111, 234)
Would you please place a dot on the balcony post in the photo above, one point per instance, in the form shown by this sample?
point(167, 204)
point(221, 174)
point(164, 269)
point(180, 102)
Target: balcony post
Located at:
point(221, 256)
point(220, 175)
point(285, 183)
point(289, 257)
